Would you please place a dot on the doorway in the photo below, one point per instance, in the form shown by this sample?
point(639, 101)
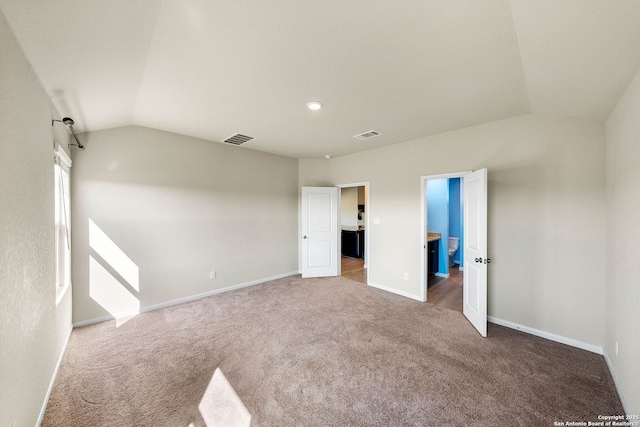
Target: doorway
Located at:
point(474, 244)
point(354, 247)
point(445, 242)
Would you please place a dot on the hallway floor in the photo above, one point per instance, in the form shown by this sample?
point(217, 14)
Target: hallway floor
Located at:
point(353, 268)
point(447, 292)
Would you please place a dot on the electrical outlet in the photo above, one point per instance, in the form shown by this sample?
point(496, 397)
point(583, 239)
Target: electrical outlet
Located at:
point(212, 275)
point(406, 276)
point(616, 347)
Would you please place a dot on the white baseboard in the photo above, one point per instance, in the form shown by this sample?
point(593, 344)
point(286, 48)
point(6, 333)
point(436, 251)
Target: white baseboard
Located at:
point(446, 276)
point(568, 341)
point(396, 291)
point(53, 380)
point(615, 382)
point(548, 335)
point(95, 320)
point(183, 300)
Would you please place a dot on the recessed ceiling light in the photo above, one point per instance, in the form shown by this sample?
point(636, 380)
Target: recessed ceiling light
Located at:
point(314, 105)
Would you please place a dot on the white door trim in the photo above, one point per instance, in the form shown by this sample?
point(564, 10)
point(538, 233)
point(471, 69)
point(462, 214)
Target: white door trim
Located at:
point(479, 321)
point(423, 225)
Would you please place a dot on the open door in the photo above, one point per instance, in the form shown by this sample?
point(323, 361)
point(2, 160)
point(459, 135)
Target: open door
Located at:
point(319, 231)
point(475, 250)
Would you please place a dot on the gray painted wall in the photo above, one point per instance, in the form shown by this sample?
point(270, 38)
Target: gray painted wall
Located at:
point(33, 330)
point(546, 215)
point(623, 235)
point(177, 208)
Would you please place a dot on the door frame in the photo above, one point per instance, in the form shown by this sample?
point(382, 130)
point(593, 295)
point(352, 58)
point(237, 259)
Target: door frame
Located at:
point(423, 226)
point(367, 228)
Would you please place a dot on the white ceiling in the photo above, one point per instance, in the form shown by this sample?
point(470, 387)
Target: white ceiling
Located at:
point(406, 68)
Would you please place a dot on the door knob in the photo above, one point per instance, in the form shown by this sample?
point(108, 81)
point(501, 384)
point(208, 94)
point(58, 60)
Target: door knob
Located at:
point(304, 237)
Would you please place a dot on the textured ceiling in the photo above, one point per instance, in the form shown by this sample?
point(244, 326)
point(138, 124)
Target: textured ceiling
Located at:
point(407, 69)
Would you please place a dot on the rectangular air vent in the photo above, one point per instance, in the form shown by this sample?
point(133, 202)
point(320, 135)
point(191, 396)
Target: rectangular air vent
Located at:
point(238, 139)
point(367, 135)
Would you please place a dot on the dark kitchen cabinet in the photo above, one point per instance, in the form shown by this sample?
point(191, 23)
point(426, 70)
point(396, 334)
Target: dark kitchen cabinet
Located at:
point(353, 243)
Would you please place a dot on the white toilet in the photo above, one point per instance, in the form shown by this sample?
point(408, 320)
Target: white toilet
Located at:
point(454, 243)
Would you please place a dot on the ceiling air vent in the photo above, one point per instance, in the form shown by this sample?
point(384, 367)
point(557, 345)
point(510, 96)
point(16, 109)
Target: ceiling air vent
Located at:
point(367, 135)
point(238, 139)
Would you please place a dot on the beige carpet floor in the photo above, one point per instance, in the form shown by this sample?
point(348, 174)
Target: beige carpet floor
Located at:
point(323, 352)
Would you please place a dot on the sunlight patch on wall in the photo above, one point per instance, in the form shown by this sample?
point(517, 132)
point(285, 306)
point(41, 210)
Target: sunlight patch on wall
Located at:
point(113, 255)
point(221, 406)
point(106, 288)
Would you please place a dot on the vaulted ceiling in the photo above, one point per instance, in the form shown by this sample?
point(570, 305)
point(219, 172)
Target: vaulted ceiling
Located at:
point(406, 68)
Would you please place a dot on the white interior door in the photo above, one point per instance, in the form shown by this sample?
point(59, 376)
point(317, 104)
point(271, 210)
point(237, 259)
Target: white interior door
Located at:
point(475, 250)
point(319, 231)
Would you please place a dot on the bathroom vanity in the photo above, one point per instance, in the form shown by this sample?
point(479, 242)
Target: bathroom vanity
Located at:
point(433, 252)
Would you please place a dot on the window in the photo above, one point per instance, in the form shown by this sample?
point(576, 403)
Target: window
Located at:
point(61, 170)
